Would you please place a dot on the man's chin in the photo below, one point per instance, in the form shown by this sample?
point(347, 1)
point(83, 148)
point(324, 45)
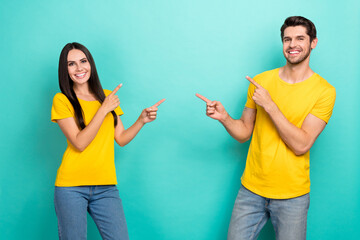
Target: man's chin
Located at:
point(295, 61)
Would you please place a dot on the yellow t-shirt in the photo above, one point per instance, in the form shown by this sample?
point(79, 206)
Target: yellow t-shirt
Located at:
point(95, 165)
point(272, 169)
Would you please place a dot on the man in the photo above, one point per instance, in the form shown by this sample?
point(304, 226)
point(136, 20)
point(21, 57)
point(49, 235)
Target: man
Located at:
point(286, 110)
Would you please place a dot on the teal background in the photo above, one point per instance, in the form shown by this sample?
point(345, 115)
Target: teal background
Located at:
point(179, 177)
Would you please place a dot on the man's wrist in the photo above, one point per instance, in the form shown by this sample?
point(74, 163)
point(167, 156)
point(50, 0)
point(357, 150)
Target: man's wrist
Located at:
point(224, 119)
point(271, 108)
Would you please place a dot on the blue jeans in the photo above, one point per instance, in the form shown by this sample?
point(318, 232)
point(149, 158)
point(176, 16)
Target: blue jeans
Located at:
point(252, 211)
point(103, 204)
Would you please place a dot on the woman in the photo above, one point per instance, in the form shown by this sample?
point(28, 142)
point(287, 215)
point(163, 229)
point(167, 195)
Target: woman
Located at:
point(89, 118)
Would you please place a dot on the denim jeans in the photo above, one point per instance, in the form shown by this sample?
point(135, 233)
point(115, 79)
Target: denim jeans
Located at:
point(103, 204)
point(252, 211)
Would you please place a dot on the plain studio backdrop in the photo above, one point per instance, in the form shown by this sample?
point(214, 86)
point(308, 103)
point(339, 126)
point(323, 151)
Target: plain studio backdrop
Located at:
point(179, 177)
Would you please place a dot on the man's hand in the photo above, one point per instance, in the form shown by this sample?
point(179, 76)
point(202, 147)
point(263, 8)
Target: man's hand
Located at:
point(214, 109)
point(261, 96)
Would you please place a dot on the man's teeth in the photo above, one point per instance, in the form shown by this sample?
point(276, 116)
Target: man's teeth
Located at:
point(292, 52)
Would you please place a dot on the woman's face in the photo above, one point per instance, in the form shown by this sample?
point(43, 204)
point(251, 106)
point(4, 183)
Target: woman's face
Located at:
point(78, 67)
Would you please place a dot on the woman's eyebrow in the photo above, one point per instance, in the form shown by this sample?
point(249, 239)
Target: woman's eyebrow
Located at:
point(79, 60)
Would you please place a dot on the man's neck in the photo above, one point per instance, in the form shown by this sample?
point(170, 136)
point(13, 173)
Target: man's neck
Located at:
point(295, 73)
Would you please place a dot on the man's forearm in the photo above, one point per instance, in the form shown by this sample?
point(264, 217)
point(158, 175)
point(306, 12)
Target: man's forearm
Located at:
point(237, 129)
point(295, 138)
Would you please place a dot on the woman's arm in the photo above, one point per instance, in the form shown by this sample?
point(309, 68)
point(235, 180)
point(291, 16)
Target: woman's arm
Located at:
point(124, 136)
point(80, 139)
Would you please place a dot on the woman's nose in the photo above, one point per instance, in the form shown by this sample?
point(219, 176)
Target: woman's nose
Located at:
point(79, 67)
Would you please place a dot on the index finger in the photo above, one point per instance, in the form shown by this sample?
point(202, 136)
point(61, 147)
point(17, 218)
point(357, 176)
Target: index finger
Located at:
point(116, 89)
point(159, 102)
point(203, 98)
point(253, 82)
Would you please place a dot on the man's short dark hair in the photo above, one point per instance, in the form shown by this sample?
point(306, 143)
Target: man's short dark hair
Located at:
point(299, 21)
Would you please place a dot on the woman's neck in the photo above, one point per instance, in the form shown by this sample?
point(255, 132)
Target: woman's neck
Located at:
point(83, 92)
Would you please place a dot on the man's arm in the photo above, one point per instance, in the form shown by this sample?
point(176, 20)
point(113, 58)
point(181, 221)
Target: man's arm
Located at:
point(240, 129)
point(299, 140)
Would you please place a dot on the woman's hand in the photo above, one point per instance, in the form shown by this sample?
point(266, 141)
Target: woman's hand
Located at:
point(123, 137)
point(149, 114)
point(111, 101)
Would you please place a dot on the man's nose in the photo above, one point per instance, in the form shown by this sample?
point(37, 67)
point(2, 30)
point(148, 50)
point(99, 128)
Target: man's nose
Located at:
point(292, 43)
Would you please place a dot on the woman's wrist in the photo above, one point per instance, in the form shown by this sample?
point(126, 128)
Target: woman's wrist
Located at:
point(140, 121)
point(102, 111)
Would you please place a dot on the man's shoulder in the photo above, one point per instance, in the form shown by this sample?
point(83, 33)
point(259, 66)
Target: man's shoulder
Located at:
point(323, 82)
point(266, 76)
point(323, 88)
point(268, 73)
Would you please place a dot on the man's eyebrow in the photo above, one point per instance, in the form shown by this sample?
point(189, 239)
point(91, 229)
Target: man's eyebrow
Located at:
point(297, 36)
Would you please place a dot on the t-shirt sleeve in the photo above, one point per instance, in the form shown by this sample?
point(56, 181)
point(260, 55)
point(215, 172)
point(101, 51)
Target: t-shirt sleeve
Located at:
point(325, 104)
point(250, 102)
point(117, 110)
point(61, 108)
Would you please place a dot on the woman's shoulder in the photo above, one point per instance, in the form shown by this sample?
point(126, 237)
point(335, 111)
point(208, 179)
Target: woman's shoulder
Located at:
point(60, 97)
point(107, 92)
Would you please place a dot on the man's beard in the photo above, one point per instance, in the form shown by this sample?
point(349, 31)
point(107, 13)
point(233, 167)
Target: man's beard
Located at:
point(300, 60)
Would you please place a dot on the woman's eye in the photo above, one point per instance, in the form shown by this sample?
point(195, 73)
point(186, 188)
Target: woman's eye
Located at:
point(70, 64)
point(84, 61)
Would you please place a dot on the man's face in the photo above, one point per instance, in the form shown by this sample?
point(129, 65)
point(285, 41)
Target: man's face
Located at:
point(296, 44)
